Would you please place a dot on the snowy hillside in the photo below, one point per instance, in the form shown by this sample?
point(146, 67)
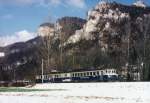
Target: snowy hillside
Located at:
point(82, 93)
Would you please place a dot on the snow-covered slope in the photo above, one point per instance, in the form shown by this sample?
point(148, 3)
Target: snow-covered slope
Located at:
point(83, 93)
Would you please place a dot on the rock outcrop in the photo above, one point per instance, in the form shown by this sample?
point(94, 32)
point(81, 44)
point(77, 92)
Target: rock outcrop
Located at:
point(115, 26)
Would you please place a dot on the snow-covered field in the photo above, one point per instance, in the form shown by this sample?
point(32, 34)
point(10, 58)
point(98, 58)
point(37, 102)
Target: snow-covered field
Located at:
point(82, 93)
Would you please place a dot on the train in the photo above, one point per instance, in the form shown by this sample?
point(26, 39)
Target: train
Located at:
point(104, 75)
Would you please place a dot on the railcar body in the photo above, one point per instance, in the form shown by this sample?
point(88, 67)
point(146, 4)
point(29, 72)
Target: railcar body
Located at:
point(80, 76)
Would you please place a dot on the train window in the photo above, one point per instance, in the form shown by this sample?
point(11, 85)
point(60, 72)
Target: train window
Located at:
point(79, 74)
point(102, 72)
point(94, 73)
point(75, 74)
point(84, 74)
point(87, 73)
point(97, 72)
point(91, 73)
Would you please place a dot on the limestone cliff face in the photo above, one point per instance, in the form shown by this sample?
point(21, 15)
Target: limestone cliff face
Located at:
point(115, 27)
point(46, 29)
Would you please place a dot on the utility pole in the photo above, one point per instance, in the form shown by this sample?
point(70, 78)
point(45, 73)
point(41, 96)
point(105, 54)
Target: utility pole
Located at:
point(61, 51)
point(48, 51)
point(73, 59)
point(14, 75)
point(61, 41)
point(128, 56)
point(144, 58)
point(42, 66)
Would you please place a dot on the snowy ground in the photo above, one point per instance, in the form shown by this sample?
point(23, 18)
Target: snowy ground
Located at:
point(82, 93)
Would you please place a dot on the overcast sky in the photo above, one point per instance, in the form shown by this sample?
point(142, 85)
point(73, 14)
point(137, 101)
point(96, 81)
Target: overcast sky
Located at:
point(24, 16)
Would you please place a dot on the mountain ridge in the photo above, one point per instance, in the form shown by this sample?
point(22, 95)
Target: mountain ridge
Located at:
point(112, 36)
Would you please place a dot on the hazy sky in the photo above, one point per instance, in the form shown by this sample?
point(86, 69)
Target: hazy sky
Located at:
point(26, 15)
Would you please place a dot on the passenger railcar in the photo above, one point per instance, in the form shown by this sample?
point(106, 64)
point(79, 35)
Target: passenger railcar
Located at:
point(80, 76)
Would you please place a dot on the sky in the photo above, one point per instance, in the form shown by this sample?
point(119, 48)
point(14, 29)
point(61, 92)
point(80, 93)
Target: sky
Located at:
point(21, 18)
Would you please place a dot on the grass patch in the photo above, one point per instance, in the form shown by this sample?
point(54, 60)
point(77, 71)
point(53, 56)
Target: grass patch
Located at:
point(10, 89)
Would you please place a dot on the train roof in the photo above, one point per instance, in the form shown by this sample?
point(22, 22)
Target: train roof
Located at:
point(79, 70)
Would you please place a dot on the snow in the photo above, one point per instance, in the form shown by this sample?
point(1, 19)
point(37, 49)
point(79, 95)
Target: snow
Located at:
point(107, 25)
point(82, 93)
point(2, 54)
point(75, 38)
point(115, 14)
point(140, 3)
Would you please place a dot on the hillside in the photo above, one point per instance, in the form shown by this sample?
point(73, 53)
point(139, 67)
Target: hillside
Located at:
point(25, 57)
point(113, 36)
point(20, 57)
point(70, 25)
point(117, 30)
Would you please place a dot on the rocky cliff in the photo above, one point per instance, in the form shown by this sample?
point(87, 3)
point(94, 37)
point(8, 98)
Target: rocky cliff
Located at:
point(117, 29)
